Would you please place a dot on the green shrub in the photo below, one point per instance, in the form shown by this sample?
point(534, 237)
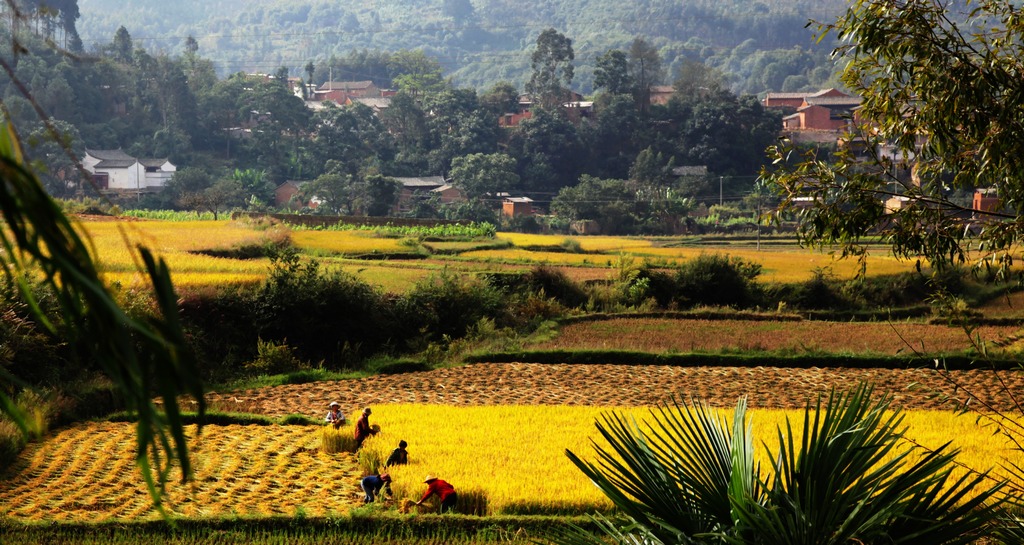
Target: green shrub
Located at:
point(557, 285)
point(12, 442)
point(448, 305)
point(274, 358)
point(297, 420)
point(717, 280)
point(394, 367)
point(328, 316)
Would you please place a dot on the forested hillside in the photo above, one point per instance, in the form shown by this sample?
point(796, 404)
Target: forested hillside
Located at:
point(762, 46)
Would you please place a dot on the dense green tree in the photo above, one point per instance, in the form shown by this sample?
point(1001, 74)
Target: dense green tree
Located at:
point(223, 195)
point(500, 99)
point(458, 126)
point(611, 203)
point(121, 48)
point(479, 174)
point(644, 71)
point(352, 136)
point(552, 69)
point(726, 133)
point(254, 184)
point(416, 73)
point(278, 119)
point(694, 78)
point(611, 142)
point(548, 150)
point(333, 191)
point(376, 195)
point(611, 74)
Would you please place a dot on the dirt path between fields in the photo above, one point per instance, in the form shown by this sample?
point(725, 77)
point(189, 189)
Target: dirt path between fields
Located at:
point(619, 385)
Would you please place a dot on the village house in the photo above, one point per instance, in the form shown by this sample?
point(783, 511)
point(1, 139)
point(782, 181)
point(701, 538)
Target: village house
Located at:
point(287, 195)
point(828, 110)
point(660, 94)
point(115, 171)
point(576, 108)
point(517, 206)
point(342, 91)
point(422, 188)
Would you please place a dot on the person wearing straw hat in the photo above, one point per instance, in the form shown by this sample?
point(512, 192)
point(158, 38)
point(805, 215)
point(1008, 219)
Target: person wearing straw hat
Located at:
point(372, 486)
point(334, 415)
point(443, 490)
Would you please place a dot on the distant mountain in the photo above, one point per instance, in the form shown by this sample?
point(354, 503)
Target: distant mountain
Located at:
point(480, 42)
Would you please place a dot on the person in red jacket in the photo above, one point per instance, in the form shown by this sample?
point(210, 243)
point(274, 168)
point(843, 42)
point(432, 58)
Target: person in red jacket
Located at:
point(363, 429)
point(443, 490)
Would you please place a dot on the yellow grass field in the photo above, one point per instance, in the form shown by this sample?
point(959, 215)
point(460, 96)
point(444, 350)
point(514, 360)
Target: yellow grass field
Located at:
point(180, 242)
point(515, 455)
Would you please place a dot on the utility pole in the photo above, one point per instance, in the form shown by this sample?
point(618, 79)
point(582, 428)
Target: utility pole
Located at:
point(720, 178)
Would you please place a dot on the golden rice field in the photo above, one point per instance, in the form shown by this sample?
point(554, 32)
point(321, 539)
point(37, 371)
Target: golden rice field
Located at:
point(513, 455)
point(865, 338)
point(600, 256)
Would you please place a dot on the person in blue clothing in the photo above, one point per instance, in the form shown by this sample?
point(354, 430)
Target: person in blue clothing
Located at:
point(373, 485)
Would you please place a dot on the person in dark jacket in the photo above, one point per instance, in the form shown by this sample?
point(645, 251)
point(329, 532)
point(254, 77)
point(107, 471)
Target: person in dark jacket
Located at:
point(399, 456)
point(373, 485)
point(363, 429)
point(444, 491)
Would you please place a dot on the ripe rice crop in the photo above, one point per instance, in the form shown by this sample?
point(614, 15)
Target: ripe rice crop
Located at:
point(587, 243)
point(791, 265)
point(516, 454)
point(510, 458)
point(665, 335)
point(346, 242)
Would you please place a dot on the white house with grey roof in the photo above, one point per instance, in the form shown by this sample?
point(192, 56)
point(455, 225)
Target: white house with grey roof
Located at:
point(116, 171)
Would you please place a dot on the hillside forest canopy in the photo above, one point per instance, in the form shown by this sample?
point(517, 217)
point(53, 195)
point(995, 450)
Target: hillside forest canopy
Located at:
point(762, 45)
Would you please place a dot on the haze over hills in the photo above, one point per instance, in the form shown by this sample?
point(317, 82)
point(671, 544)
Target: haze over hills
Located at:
point(478, 43)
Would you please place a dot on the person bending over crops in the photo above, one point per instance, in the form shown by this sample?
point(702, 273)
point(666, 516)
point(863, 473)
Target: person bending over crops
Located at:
point(363, 428)
point(335, 416)
point(399, 456)
point(443, 490)
point(373, 485)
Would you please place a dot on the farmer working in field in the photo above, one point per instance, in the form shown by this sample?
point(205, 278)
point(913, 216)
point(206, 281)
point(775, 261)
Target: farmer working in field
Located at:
point(399, 456)
point(363, 429)
point(443, 490)
point(372, 486)
point(335, 416)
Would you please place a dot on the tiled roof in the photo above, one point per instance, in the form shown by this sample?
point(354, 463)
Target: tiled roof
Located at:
point(374, 102)
point(833, 101)
point(345, 85)
point(786, 95)
point(109, 154)
point(115, 158)
point(422, 181)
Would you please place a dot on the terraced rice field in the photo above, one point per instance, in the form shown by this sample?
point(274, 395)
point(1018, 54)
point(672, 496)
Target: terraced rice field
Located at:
point(489, 428)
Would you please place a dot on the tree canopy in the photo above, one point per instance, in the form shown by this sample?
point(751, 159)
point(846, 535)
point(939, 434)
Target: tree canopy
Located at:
point(941, 114)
